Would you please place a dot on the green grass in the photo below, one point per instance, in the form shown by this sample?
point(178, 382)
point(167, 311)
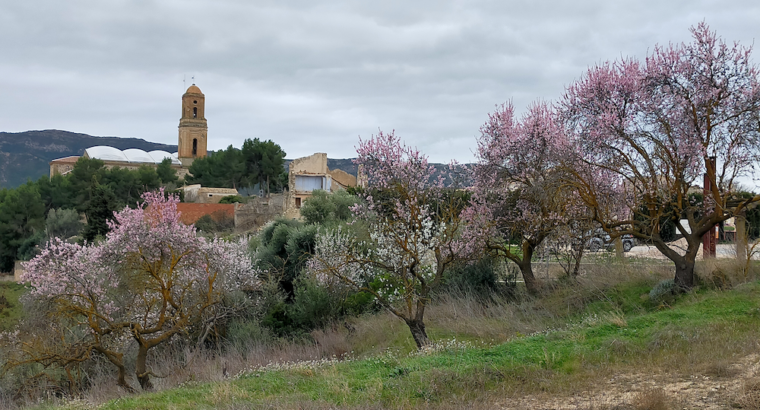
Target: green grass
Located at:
point(10, 315)
point(621, 331)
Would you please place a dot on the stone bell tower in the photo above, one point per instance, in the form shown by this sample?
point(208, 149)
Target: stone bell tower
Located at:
point(193, 130)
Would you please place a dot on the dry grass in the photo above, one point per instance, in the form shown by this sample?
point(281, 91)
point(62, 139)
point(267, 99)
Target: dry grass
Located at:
point(489, 321)
point(725, 273)
point(652, 399)
point(721, 368)
point(488, 403)
point(467, 317)
point(749, 398)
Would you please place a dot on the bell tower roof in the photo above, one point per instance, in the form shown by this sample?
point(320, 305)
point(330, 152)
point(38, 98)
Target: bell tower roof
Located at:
point(193, 89)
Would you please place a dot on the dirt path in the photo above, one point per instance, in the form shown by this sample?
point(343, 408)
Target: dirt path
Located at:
point(730, 387)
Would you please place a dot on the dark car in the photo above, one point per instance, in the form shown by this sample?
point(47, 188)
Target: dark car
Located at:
point(601, 240)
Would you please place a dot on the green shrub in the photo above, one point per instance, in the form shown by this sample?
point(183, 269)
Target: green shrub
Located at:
point(205, 224)
point(245, 332)
point(62, 223)
point(285, 246)
point(217, 222)
point(328, 208)
point(663, 291)
point(314, 306)
point(278, 320)
point(231, 199)
point(481, 277)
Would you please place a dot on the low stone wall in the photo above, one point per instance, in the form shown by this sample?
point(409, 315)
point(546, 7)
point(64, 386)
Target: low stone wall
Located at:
point(18, 270)
point(258, 211)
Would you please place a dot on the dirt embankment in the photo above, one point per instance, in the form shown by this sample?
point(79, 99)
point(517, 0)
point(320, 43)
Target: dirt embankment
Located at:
point(721, 386)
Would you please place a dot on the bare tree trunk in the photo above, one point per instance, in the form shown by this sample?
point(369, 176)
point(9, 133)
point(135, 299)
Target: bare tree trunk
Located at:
point(684, 279)
point(531, 284)
point(417, 327)
point(526, 268)
point(141, 369)
point(577, 265)
point(117, 359)
point(122, 379)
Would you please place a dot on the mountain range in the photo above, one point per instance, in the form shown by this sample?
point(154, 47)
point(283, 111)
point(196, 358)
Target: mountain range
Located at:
point(26, 155)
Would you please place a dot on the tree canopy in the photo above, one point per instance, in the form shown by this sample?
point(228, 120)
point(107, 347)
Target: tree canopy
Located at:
point(258, 162)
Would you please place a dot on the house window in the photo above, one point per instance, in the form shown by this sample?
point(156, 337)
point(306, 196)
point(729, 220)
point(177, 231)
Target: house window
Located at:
point(298, 203)
point(309, 183)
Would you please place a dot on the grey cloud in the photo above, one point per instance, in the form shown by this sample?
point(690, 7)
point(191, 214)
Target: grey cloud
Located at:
point(315, 75)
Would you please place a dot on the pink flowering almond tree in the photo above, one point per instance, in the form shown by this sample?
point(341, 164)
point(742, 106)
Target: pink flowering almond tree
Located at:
point(413, 223)
point(152, 279)
point(646, 132)
point(520, 193)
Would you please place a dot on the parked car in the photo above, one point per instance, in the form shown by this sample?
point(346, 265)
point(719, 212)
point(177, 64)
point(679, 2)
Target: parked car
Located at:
point(601, 240)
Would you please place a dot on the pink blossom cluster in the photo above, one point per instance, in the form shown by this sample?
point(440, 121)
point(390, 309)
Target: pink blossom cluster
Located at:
point(520, 184)
point(655, 124)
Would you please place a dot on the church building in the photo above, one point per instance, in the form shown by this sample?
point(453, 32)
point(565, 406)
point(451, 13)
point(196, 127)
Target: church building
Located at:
point(192, 142)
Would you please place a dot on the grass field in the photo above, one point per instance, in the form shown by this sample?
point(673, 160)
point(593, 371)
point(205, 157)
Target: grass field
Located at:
point(584, 337)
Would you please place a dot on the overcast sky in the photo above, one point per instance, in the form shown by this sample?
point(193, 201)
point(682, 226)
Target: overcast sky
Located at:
point(315, 75)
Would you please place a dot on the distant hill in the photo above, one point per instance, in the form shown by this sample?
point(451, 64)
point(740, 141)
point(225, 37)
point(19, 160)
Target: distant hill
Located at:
point(26, 155)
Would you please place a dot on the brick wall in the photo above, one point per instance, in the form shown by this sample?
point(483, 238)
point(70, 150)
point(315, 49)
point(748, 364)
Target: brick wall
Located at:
point(193, 212)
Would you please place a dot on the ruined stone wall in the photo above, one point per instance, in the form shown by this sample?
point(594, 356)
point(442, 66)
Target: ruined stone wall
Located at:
point(315, 164)
point(343, 179)
point(61, 166)
point(60, 169)
point(258, 211)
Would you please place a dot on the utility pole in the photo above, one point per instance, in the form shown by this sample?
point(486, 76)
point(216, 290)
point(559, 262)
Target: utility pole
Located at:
point(709, 241)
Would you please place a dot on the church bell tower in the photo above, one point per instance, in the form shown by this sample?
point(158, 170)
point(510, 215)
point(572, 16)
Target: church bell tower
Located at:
point(193, 130)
